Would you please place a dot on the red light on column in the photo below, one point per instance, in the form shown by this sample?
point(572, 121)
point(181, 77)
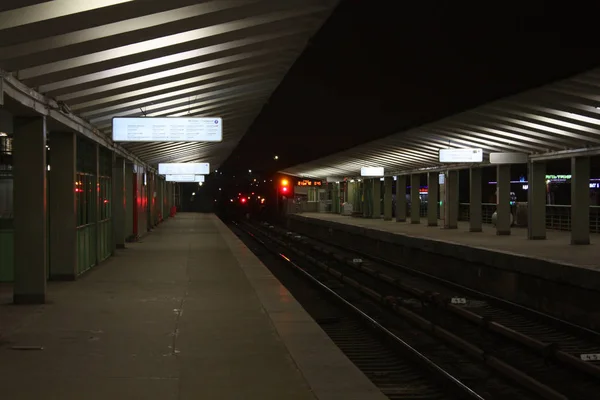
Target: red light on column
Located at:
point(284, 186)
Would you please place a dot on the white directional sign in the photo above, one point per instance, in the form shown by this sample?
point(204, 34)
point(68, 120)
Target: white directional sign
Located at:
point(461, 155)
point(184, 178)
point(371, 171)
point(184, 169)
point(149, 129)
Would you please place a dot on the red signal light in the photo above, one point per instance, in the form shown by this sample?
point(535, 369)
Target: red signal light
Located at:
point(284, 186)
point(243, 200)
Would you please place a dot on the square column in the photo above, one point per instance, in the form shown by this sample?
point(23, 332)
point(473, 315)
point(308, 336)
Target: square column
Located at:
point(62, 205)
point(387, 198)
point(96, 200)
point(475, 201)
point(442, 194)
point(580, 200)
point(503, 200)
point(376, 213)
point(432, 198)
point(30, 235)
point(451, 200)
point(415, 199)
point(119, 206)
point(350, 194)
point(367, 198)
point(536, 207)
point(401, 198)
point(129, 208)
point(336, 198)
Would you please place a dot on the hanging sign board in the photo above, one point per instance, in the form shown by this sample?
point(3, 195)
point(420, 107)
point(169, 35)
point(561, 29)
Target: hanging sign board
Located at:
point(184, 178)
point(371, 171)
point(184, 169)
point(508, 158)
point(149, 129)
point(461, 155)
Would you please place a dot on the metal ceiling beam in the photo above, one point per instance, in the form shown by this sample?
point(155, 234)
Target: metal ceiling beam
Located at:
point(51, 9)
point(141, 77)
point(166, 88)
point(48, 44)
point(99, 59)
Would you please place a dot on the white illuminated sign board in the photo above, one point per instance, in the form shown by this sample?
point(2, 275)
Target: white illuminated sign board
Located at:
point(371, 171)
point(184, 178)
point(149, 129)
point(461, 155)
point(184, 169)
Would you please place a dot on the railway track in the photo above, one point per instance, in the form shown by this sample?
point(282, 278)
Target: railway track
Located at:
point(537, 352)
point(418, 366)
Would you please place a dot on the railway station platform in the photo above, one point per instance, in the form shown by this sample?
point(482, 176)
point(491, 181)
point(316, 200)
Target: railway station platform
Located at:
point(548, 275)
point(186, 313)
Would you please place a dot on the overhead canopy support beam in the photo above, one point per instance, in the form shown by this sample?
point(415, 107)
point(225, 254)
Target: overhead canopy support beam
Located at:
point(50, 108)
point(564, 154)
point(51, 9)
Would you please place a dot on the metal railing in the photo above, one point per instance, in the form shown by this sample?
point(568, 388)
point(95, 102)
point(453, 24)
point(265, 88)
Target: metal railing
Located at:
point(558, 217)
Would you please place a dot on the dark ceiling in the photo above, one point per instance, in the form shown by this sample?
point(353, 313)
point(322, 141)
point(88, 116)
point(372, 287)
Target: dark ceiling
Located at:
point(378, 67)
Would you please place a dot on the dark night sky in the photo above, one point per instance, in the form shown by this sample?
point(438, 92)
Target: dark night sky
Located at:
point(378, 67)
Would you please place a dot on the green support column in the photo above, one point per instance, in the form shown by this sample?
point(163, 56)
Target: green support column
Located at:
point(401, 198)
point(365, 198)
point(415, 199)
point(580, 201)
point(119, 209)
point(387, 198)
point(451, 198)
point(62, 206)
point(475, 200)
point(368, 211)
point(336, 198)
point(536, 199)
point(432, 198)
point(30, 235)
point(376, 213)
point(128, 200)
point(503, 200)
point(96, 201)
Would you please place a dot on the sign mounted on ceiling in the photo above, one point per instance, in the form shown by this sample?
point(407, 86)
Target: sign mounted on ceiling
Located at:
point(150, 129)
point(508, 158)
point(184, 178)
point(371, 171)
point(184, 169)
point(461, 155)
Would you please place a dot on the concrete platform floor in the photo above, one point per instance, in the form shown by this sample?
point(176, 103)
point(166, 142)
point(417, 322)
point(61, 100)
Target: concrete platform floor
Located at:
point(187, 313)
point(556, 248)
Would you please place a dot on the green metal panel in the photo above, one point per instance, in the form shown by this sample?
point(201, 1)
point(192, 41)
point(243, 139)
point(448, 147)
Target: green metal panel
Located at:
point(86, 247)
point(105, 240)
point(6, 255)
